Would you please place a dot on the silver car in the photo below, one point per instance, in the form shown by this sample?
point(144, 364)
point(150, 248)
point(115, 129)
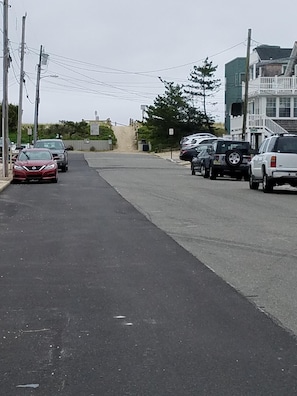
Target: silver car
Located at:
point(58, 149)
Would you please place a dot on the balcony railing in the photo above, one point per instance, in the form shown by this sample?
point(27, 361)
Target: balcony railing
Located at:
point(272, 86)
point(256, 122)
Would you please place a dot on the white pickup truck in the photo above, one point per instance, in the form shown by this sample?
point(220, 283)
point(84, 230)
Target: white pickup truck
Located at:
point(275, 163)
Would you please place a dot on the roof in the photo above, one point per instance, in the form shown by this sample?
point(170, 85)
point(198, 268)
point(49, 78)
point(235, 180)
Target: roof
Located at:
point(49, 140)
point(272, 52)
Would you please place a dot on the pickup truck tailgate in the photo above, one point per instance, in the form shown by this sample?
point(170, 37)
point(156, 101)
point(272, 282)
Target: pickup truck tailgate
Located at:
point(286, 161)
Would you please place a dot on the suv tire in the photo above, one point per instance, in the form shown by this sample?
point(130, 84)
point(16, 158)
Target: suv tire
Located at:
point(253, 185)
point(212, 173)
point(193, 170)
point(267, 185)
point(233, 158)
point(204, 172)
point(246, 176)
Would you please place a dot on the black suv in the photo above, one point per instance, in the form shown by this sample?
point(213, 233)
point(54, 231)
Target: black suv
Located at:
point(58, 149)
point(229, 157)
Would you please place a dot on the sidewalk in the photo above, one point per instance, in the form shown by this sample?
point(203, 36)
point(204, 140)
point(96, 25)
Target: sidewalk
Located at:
point(4, 181)
point(172, 156)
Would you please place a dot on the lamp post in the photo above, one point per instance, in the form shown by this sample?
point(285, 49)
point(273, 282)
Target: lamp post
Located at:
point(42, 59)
point(37, 101)
point(6, 58)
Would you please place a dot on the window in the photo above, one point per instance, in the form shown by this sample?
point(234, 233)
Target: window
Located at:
point(263, 146)
point(271, 144)
point(284, 68)
point(284, 107)
point(239, 79)
point(295, 107)
point(271, 107)
point(286, 144)
point(232, 145)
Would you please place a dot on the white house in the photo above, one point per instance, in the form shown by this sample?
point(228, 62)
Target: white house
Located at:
point(272, 94)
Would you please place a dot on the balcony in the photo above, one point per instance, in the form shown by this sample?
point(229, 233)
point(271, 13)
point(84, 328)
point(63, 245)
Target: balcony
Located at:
point(266, 86)
point(256, 122)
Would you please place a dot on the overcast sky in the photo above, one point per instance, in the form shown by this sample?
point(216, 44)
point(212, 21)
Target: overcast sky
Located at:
point(108, 54)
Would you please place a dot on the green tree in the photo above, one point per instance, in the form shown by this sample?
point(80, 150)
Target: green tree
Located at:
point(12, 118)
point(204, 85)
point(171, 110)
point(74, 130)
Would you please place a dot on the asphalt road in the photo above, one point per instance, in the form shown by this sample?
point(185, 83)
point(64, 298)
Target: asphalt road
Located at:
point(98, 300)
point(246, 237)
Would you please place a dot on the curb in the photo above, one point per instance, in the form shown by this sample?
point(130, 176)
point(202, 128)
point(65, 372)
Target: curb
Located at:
point(4, 183)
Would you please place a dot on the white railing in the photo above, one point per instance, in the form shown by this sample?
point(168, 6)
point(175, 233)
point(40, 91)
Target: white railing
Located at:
point(273, 127)
point(236, 123)
point(272, 85)
point(259, 122)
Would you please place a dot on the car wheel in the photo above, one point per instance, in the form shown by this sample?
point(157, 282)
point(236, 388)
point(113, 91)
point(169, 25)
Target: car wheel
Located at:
point(233, 158)
point(246, 176)
point(204, 172)
point(267, 185)
point(193, 170)
point(64, 168)
point(253, 185)
point(212, 173)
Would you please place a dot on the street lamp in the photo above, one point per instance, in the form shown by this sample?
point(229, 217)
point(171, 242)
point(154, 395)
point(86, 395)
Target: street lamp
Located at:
point(37, 100)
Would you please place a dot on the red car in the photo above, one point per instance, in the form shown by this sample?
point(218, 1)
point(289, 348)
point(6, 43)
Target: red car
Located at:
point(35, 164)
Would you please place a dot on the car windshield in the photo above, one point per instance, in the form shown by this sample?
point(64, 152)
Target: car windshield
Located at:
point(286, 145)
point(223, 147)
point(50, 145)
point(34, 155)
point(202, 147)
point(202, 153)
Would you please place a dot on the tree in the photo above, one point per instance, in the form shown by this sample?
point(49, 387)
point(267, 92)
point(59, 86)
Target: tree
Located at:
point(12, 118)
point(171, 110)
point(74, 130)
point(203, 86)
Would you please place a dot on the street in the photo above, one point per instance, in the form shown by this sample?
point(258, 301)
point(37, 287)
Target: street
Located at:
point(248, 238)
point(132, 277)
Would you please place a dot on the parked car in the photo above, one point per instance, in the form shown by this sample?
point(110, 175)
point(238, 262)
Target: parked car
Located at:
point(15, 149)
point(275, 164)
point(58, 149)
point(35, 164)
point(187, 153)
point(200, 135)
point(1, 145)
point(194, 142)
point(198, 162)
point(228, 157)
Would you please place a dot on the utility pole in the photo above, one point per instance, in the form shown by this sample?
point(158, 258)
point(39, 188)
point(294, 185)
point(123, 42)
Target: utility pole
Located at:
point(22, 76)
point(6, 59)
point(37, 98)
point(246, 92)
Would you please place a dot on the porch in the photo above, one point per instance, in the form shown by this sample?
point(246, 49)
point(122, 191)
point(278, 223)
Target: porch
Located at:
point(271, 86)
point(257, 128)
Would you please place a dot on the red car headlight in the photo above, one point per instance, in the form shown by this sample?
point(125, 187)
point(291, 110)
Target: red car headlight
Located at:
point(50, 166)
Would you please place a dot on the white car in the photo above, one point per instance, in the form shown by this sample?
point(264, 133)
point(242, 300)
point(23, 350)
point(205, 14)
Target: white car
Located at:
point(195, 141)
point(201, 135)
point(275, 163)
